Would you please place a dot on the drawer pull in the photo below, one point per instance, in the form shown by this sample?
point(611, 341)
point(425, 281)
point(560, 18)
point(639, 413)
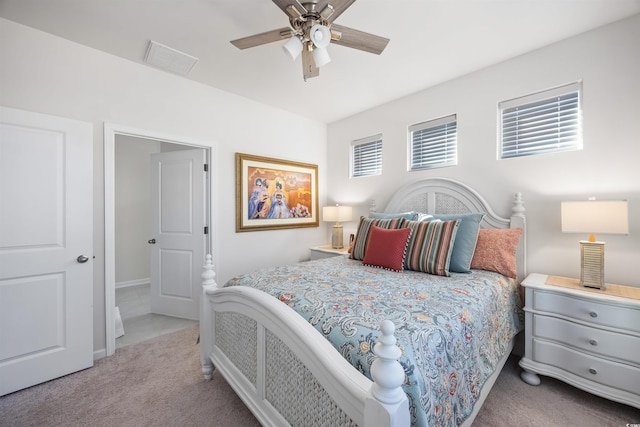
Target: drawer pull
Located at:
point(592, 371)
point(593, 314)
point(593, 342)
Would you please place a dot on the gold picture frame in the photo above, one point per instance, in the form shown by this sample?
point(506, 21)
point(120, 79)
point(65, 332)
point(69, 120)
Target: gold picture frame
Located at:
point(274, 194)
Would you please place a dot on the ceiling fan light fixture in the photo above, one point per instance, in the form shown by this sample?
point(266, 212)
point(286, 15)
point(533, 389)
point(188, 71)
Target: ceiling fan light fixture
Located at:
point(293, 47)
point(320, 36)
point(321, 56)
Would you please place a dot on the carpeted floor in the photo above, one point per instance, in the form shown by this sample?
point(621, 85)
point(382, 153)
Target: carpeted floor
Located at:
point(159, 383)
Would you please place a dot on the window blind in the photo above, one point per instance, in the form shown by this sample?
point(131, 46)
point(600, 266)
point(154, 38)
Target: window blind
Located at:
point(366, 155)
point(544, 122)
point(434, 143)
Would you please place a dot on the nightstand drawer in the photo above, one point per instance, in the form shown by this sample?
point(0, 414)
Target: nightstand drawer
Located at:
point(613, 374)
point(606, 343)
point(588, 310)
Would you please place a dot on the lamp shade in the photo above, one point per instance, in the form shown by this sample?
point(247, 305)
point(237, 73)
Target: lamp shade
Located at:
point(321, 57)
point(337, 213)
point(320, 36)
point(595, 216)
point(293, 47)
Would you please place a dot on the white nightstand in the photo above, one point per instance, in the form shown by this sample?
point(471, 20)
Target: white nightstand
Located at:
point(327, 251)
point(589, 338)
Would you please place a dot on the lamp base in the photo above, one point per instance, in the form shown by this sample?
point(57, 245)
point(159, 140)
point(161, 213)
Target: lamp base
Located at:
point(592, 264)
point(336, 237)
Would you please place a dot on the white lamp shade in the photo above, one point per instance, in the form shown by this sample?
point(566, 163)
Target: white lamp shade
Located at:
point(320, 36)
point(321, 56)
point(337, 213)
point(595, 216)
point(293, 47)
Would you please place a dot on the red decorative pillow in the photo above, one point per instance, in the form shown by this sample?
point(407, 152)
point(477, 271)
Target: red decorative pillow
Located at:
point(386, 248)
point(496, 250)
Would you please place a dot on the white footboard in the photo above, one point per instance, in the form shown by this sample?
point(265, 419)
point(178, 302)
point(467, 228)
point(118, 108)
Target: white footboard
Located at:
point(289, 374)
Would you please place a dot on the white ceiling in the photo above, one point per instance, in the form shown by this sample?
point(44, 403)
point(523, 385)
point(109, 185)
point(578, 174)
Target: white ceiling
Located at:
point(431, 41)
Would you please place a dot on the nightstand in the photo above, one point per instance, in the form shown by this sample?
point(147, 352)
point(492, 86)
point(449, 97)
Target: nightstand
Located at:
point(588, 338)
point(327, 251)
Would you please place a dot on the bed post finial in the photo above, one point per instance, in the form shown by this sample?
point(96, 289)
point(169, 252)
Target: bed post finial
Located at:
point(388, 404)
point(208, 275)
point(518, 205)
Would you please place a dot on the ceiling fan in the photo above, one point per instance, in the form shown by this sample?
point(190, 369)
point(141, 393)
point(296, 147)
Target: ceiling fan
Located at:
point(310, 32)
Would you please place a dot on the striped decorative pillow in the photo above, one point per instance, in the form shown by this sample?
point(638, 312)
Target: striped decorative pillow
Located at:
point(364, 228)
point(430, 246)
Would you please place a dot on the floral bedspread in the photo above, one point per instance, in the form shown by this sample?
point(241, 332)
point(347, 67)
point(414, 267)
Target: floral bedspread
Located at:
point(452, 330)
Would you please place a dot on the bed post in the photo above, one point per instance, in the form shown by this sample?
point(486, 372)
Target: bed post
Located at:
point(387, 403)
point(208, 282)
point(518, 220)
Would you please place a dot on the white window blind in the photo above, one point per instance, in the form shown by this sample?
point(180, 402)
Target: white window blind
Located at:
point(366, 156)
point(434, 143)
point(543, 122)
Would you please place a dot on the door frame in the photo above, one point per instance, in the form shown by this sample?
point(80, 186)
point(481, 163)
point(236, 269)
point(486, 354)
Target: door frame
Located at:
point(112, 130)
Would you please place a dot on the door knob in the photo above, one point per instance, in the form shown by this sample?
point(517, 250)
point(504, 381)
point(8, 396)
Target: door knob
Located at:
point(152, 241)
point(82, 259)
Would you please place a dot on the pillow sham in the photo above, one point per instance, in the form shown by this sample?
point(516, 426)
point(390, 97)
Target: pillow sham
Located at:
point(386, 248)
point(430, 246)
point(466, 238)
point(496, 250)
point(412, 215)
point(362, 234)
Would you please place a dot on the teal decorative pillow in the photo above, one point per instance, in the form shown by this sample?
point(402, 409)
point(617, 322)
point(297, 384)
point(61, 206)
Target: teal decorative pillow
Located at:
point(386, 248)
point(406, 215)
point(362, 234)
point(430, 246)
point(466, 239)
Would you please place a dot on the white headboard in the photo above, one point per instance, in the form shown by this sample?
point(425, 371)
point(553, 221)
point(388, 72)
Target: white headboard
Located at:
point(447, 196)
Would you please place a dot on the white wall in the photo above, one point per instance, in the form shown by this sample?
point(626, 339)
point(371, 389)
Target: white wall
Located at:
point(132, 208)
point(47, 74)
point(608, 62)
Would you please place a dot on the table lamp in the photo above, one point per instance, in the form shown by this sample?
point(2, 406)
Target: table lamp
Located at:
point(594, 216)
point(336, 214)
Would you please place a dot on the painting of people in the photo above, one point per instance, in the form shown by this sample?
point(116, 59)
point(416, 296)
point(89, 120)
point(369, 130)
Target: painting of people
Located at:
point(275, 193)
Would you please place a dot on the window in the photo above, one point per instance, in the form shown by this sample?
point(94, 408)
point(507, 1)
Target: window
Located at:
point(366, 156)
point(543, 122)
point(433, 143)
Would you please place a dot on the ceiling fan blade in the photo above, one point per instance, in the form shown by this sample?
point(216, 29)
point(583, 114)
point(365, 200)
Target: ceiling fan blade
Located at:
point(263, 38)
point(358, 39)
point(284, 5)
point(309, 68)
point(339, 6)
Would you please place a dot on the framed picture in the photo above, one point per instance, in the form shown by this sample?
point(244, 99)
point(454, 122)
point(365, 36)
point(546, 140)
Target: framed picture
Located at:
point(273, 194)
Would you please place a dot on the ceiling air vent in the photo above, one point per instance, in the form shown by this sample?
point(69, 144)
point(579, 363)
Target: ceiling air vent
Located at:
point(169, 59)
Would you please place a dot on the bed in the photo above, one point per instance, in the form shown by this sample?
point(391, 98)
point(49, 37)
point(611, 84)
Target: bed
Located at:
point(363, 340)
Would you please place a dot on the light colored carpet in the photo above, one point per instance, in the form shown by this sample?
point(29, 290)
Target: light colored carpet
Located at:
point(159, 383)
point(154, 383)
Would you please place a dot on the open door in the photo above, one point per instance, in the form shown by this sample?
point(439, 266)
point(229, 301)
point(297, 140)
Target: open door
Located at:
point(46, 248)
point(178, 234)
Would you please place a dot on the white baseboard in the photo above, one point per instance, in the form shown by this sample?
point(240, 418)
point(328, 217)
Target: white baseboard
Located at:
point(99, 354)
point(136, 282)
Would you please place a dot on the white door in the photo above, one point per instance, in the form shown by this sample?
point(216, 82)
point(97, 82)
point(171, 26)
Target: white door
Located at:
point(46, 247)
point(177, 232)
